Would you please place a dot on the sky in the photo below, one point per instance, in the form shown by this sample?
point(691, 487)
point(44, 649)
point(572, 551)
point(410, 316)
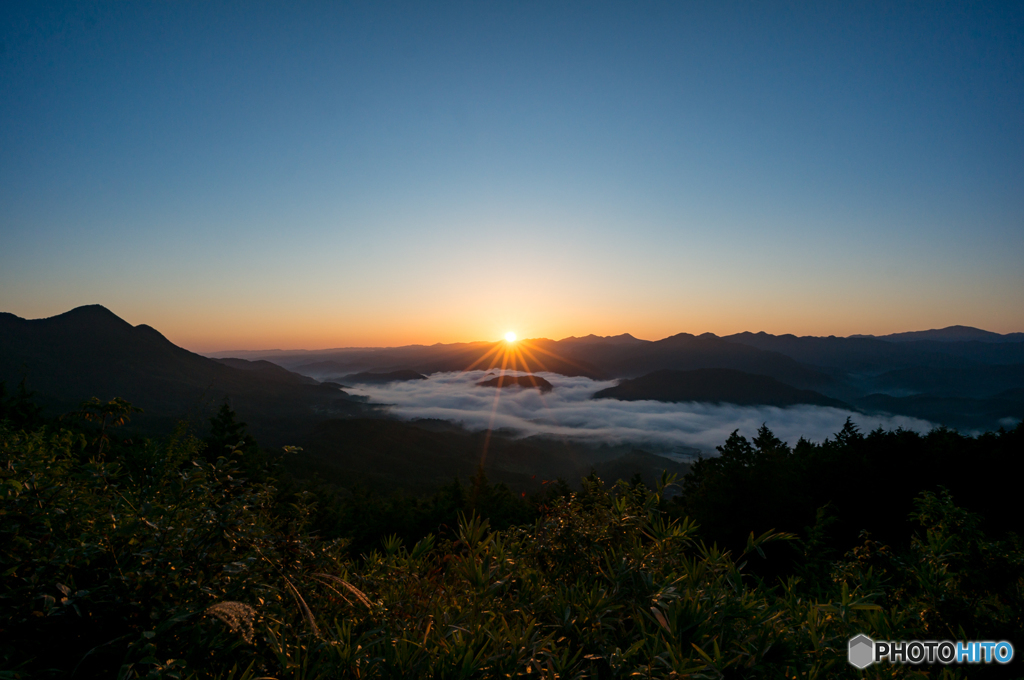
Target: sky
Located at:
point(313, 175)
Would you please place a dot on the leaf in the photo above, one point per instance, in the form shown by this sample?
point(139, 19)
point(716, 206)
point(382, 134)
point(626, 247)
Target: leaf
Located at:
point(661, 619)
point(703, 654)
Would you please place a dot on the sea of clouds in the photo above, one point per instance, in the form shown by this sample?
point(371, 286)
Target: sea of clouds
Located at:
point(569, 411)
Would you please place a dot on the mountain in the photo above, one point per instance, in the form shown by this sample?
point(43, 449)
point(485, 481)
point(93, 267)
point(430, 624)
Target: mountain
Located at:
point(951, 334)
point(383, 378)
point(1009, 352)
point(518, 381)
point(964, 380)
point(873, 365)
point(337, 364)
point(716, 385)
point(267, 370)
point(1000, 410)
point(843, 369)
point(686, 352)
point(862, 353)
point(600, 358)
point(91, 352)
point(624, 339)
point(855, 354)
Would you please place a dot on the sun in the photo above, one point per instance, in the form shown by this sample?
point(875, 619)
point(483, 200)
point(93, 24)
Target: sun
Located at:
point(510, 337)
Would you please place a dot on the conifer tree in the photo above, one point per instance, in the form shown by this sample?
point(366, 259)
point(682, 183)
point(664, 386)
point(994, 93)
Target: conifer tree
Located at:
point(228, 433)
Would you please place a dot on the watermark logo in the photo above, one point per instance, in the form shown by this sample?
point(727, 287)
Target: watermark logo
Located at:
point(863, 651)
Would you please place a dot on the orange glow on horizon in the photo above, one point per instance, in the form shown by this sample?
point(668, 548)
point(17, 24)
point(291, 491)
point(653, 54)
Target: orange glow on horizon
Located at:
point(209, 330)
point(212, 329)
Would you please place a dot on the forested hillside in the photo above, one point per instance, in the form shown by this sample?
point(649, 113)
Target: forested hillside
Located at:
point(198, 554)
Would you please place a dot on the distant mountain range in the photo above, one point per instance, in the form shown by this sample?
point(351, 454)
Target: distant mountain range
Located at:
point(592, 357)
point(719, 385)
point(90, 352)
point(336, 364)
point(958, 376)
point(949, 334)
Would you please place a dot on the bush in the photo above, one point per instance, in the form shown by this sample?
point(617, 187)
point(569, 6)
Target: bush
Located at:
point(151, 560)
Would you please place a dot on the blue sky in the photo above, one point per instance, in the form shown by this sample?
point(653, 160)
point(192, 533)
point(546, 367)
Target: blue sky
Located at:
point(256, 175)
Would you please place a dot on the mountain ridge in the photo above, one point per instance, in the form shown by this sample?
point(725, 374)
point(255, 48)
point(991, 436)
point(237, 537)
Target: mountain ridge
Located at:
point(915, 336)
point(949, 334)
point(90, 351)
point(715, 385)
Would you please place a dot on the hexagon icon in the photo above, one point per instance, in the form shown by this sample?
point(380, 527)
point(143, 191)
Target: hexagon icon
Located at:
point(862, 651)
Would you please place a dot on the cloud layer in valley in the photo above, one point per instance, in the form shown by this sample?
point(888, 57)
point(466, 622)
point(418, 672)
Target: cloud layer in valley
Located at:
point(569, 411)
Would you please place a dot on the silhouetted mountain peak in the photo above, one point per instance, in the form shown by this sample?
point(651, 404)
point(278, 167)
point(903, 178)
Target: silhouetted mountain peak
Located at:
point(91, 352)
point(146, 331)
point(678, 338)
point(623, 338)
point(85, 311)
point(527, 381)
point(93, 316)
point(948, 334)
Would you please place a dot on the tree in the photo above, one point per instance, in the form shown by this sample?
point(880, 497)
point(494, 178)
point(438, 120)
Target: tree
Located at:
point(20, 410)
point(227, 433)
point(113, 413)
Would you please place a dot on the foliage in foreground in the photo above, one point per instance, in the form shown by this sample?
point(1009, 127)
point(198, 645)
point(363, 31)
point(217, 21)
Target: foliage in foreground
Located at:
point(754, 485)
point(152, 560)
